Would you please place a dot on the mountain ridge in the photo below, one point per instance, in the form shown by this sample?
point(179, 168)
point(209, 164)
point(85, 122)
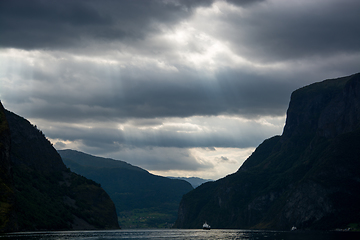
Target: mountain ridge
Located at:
point(96, 161)
point(142, 199)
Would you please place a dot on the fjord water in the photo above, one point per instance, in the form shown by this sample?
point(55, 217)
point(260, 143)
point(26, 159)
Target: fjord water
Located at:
point(215, 234)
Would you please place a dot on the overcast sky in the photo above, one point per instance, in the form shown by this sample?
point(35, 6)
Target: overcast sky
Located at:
point(180, 88)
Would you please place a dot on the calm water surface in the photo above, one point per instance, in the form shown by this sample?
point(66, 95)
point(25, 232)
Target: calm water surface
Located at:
point(215, 234)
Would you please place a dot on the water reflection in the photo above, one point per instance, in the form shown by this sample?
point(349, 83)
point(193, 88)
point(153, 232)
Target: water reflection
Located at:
point(181, 235)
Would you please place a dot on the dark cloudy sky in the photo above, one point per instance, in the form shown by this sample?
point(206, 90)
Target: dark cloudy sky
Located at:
point(181, 88)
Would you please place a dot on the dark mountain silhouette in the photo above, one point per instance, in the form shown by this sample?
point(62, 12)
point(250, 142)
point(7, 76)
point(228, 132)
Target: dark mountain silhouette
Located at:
point(308, 177)
point(142, 200)
point(38, 192)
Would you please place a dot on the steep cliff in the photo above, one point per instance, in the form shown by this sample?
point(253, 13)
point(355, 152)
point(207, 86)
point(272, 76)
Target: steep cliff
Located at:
point(45, 194)
point(308, 177)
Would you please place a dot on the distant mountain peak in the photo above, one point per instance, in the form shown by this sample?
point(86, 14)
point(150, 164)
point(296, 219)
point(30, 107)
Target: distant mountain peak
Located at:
point(194, 181)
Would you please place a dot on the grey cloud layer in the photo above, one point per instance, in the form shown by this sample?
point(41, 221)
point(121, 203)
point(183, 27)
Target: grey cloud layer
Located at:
point(290, 30)
point(61, 87)
point(55, 24)
point(81, 90)
point(80, 69)
point(266, 31)
point(203, 132)
point(59, 24)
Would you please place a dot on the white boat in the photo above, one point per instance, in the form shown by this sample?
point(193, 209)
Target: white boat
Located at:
point(293, 228)
point(206, 226)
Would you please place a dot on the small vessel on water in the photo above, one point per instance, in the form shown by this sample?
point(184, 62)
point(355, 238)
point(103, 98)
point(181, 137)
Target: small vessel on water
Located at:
point(293, 228)
point(206, 226)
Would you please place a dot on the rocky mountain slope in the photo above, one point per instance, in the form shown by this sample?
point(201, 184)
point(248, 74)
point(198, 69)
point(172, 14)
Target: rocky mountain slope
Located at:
point(142, 199)
point(308, 177)
point(38, 192)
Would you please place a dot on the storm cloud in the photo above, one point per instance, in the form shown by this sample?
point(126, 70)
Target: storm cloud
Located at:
point(186, 88)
